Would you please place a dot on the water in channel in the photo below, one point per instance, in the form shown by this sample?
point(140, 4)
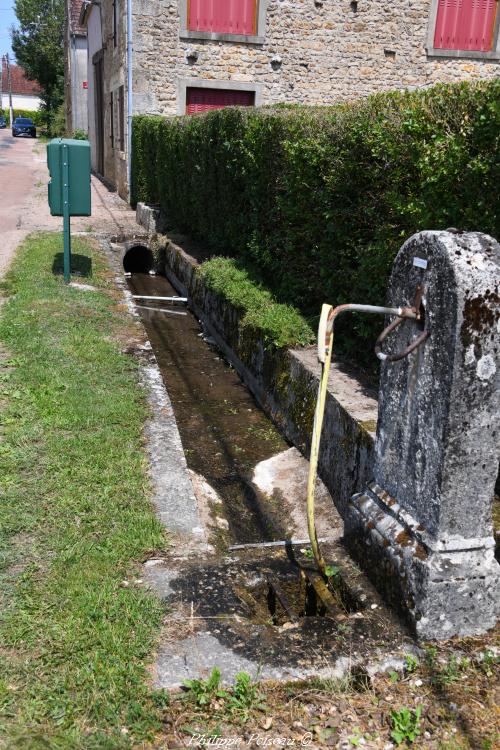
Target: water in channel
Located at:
point(224, 433)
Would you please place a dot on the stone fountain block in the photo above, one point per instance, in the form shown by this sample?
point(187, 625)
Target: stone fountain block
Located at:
point(423, 527)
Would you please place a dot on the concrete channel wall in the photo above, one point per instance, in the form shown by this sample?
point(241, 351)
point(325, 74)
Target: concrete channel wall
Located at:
point(284, 382)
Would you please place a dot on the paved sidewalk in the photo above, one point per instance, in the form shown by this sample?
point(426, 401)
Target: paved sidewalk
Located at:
point(24, 206)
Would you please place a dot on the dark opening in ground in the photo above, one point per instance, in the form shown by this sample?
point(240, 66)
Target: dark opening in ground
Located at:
point(138, 259)
point(295, 593)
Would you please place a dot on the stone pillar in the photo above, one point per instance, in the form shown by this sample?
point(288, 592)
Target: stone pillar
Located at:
point(423, 527)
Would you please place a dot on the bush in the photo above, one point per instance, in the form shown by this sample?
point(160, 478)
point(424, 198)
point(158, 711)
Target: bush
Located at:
point(319, 200)
point(37, 115)
point(56, 122)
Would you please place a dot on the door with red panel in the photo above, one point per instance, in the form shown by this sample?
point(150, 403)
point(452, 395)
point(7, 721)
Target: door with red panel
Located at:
point(201, 100)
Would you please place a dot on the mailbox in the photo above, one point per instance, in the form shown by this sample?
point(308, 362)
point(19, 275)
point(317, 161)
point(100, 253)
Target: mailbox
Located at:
point(68, 161)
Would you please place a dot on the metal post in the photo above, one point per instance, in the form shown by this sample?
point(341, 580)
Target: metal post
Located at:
point(66, 215)
point(1, 84)
point(9, 85)
point(130, 105)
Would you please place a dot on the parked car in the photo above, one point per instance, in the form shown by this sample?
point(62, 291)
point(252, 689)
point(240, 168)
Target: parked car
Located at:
point(23, 126)
point(3, 123)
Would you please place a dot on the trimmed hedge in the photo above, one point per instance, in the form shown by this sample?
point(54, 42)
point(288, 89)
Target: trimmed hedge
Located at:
point(36, 115)
point(319, 200)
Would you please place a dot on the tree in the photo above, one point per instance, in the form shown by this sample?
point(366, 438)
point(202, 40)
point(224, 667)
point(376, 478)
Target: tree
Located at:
point(38, 45)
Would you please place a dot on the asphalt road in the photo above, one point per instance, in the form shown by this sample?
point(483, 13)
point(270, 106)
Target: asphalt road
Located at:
point(24, 205)
point(20, 160)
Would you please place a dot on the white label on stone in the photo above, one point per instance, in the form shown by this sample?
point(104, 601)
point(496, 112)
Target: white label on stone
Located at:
point(420, 262)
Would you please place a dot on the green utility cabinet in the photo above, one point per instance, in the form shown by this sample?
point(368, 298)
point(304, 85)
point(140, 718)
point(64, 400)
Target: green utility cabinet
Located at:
point(68, 161)
point(73, 157)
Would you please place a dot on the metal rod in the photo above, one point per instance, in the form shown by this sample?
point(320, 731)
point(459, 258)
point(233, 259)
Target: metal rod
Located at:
point(160, 299)
point(159, 309)
point(281, 596)
point(9, 88)
point(130, 104)
point(66, 216)
point(283, 543)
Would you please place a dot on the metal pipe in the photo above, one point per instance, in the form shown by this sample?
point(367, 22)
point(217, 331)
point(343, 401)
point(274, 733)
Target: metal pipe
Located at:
point(160, 299)
point(281, 543)
point(159, 309)
point(129, 96)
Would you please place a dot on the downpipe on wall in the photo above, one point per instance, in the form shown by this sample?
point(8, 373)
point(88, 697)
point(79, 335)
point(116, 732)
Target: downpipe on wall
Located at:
point(129, 98)
point(325, 350)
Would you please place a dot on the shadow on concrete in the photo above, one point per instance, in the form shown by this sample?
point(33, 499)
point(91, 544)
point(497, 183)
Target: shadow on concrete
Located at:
point(81, 265)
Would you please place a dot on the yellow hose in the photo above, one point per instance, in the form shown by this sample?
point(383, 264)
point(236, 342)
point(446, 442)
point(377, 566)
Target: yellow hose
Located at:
point(324, 339)
point(325, 348)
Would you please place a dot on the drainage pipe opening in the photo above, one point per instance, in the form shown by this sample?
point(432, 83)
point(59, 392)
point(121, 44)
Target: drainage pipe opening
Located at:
point(138, 259)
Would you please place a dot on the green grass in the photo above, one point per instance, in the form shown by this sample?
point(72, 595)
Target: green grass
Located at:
point(279, 324)
point(75, 518)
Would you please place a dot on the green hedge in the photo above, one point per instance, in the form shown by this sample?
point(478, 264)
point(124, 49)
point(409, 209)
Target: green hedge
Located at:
point(319, 200)
point(37, 116)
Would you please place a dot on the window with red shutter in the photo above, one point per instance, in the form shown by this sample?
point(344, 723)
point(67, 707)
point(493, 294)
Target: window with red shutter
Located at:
point(201, 100)
point(223, 16)
point(465, 25)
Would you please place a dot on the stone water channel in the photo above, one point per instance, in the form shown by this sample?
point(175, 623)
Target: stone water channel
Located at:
point(235, 606)
point(224, 433)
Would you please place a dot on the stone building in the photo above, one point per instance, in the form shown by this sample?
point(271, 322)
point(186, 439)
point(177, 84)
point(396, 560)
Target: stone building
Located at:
point(186, 56)
point(75, 68)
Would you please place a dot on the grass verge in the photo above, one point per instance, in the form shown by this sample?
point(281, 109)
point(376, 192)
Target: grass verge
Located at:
point(76, 633)
point(280, 325)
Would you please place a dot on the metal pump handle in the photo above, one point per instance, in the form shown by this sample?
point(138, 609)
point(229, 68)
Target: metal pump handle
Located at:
point(392, 327)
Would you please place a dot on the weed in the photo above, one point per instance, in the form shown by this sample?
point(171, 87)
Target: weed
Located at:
point(487, 663)
point(160, 698)
point(331, 571)
point(205, 691)
point(452, 669)
point(245, 696)
point(239, 700)
point(411, 663)
point(394, 676)
point(406, 724)
point(431, 656)
point(334, 685)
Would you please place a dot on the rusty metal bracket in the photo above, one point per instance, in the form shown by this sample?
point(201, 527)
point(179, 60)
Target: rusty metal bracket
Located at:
point(397, 322)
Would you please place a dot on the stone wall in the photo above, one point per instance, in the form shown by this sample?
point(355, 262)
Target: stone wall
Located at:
point(315, 52)
point(115, 75)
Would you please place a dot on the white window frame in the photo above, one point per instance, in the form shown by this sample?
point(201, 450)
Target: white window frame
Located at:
point(216, 36)
point(207, 83)
point(470, 54)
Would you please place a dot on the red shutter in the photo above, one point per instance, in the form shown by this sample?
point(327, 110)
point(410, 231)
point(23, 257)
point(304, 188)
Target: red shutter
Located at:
point(201, 100)
point(465, 24)
point(223, 16)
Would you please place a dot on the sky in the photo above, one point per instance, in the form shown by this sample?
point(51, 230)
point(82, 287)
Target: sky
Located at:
point(7, 18)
